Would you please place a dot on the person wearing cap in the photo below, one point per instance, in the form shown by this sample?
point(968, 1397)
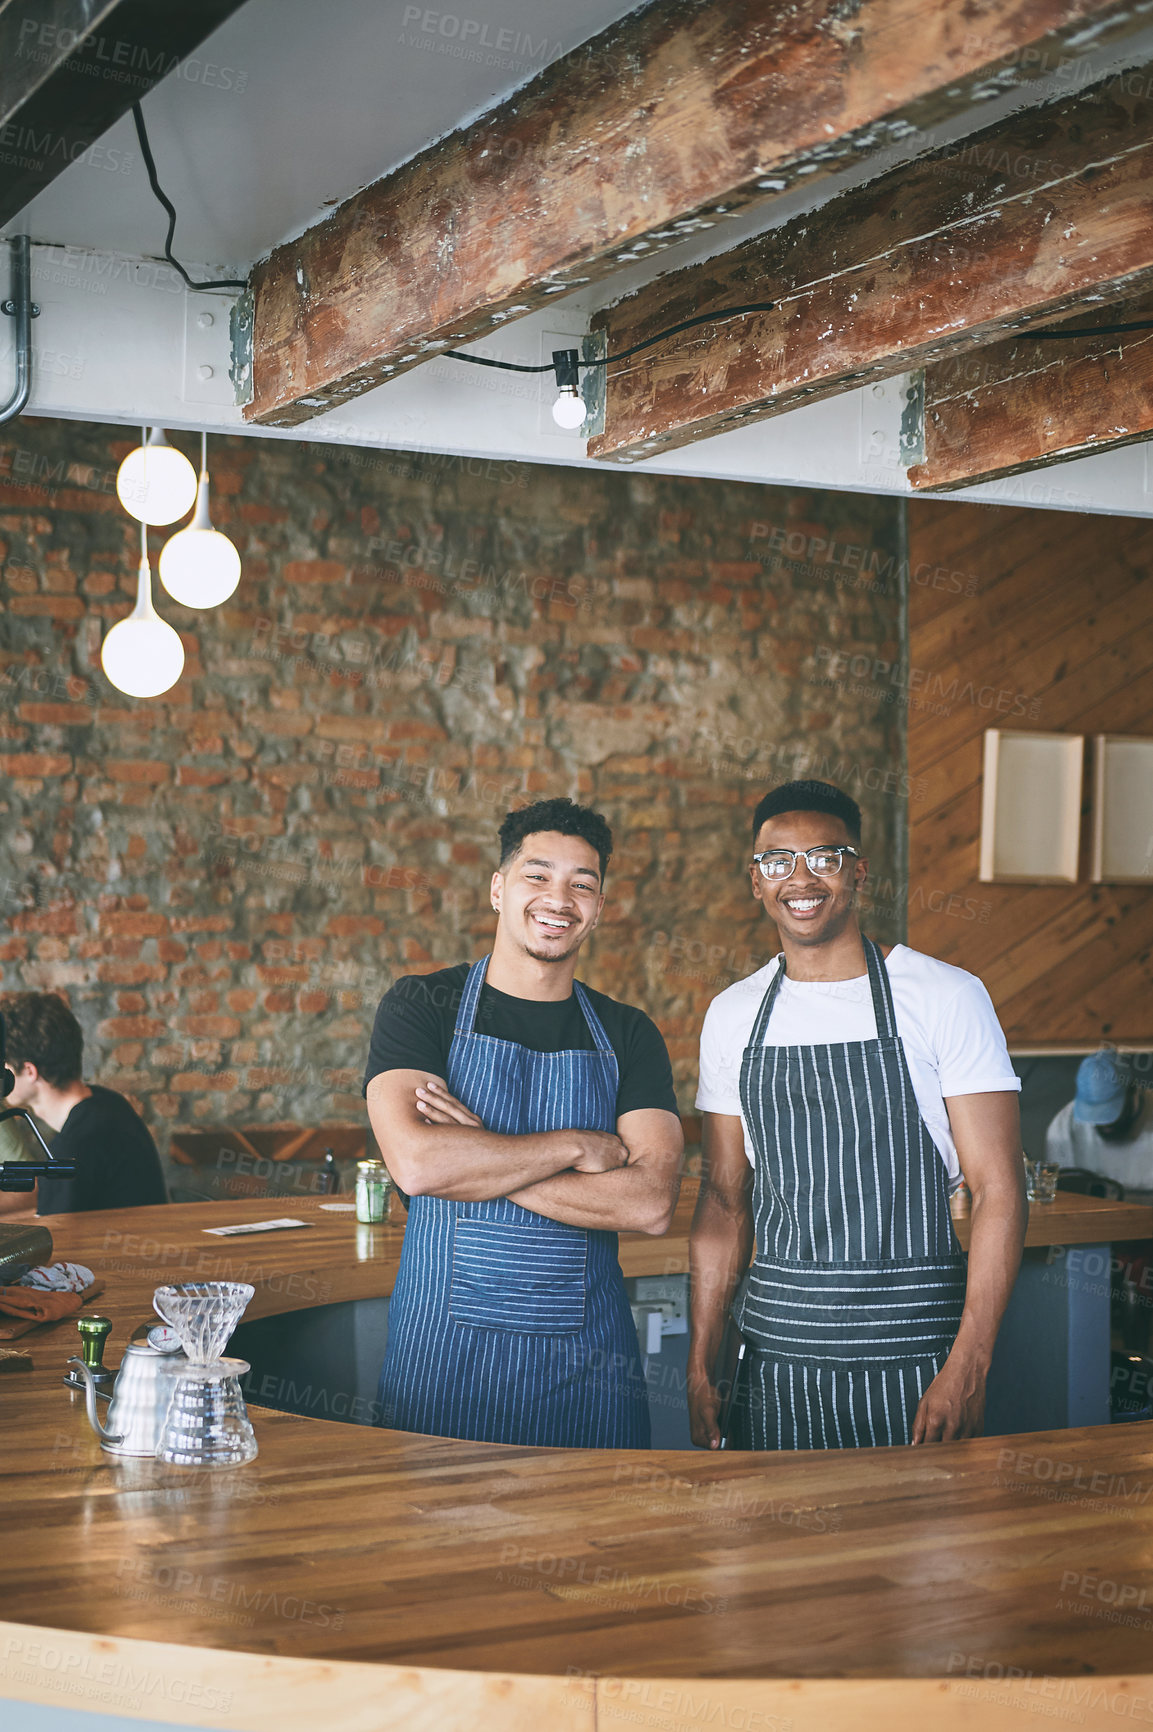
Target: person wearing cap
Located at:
point(846, 1088)
point(1107, 1127)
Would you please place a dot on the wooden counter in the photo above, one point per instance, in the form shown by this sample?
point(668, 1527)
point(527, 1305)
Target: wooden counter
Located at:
point(357, 1578)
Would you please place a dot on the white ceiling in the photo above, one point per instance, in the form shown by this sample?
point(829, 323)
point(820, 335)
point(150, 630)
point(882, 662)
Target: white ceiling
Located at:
point(289, 108)
point(308, 100)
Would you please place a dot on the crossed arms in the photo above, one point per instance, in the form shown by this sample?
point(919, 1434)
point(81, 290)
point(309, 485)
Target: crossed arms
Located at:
point(625, 1181)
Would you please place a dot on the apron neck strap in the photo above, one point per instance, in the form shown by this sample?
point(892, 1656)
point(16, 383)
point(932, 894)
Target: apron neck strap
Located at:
point(470, 997)
point(878, 985)
point(882, 991)
point(470, 1002)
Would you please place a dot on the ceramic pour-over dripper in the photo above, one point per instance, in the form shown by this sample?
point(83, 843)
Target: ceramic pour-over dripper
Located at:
point(207, 1424)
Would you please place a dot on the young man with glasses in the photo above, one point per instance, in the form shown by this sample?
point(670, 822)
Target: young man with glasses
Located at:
point(846, 1089)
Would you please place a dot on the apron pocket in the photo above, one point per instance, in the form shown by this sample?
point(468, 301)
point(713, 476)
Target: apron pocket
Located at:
point(526, 1280)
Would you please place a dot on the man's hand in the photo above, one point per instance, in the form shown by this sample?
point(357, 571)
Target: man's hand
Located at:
point(598, 1152)
point(704, 1406)
point(437, 1107)
point(953, 1406)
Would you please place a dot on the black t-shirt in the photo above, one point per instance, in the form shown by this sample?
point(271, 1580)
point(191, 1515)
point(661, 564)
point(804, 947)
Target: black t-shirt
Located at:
point(117, 1165)
point(416, 1018)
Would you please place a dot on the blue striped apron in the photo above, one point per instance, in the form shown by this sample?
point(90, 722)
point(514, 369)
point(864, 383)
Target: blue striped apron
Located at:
point(855, 1295)
point(505, 1326)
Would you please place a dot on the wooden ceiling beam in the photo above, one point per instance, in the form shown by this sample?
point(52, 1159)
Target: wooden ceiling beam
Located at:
point(1027, 404)
point(70, 68)
point(1016, 225)
point(659, 127)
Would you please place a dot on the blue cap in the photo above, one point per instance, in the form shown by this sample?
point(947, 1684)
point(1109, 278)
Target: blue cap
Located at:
point(1101, 1090)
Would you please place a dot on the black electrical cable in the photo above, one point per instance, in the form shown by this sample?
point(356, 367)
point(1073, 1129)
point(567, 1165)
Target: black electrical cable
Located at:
point(1087, 331)
point(623, 354)
point(150, 165)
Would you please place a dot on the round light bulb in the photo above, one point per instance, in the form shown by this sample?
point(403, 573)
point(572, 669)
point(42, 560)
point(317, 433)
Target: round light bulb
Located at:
point(156, 483)
point(142, 655)
point(569, 409)
point(200, 567)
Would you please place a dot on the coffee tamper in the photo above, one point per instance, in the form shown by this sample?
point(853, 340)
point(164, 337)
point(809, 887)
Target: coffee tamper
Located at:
point(93, 1332)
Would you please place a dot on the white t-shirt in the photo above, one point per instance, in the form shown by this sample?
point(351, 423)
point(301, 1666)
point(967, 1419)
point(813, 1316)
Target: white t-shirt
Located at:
point(1069, 1143)
point(953, 1041)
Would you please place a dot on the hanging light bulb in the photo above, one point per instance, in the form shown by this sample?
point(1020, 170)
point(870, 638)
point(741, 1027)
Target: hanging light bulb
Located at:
point(199, 566)
point(569, 409)
point(156, 483)
point(142, 655)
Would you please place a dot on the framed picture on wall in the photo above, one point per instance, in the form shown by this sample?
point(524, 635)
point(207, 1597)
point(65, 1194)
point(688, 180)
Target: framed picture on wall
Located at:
point(1031, 807)
point(1122, 810)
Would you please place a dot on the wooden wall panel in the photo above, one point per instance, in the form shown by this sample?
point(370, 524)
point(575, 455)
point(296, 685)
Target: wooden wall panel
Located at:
point(1026, 619)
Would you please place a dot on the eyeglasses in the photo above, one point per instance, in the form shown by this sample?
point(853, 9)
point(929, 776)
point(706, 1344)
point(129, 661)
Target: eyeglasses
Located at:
point(780, 863)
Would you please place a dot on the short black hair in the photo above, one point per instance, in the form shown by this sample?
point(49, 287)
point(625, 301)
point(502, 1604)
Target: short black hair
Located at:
point(563, 816)
point(810, 797)
point(41, 1030)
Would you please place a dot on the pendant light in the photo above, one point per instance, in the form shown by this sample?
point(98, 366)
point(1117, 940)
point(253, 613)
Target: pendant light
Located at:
point(142, 655)
point(569, 409)
point(199, 566)
point(156, 483)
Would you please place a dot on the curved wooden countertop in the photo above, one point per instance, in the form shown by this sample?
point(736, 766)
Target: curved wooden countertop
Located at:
point(359, 1578)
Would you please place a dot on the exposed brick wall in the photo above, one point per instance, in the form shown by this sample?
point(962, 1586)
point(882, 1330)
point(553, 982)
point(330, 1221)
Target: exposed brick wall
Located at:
point(224, 880)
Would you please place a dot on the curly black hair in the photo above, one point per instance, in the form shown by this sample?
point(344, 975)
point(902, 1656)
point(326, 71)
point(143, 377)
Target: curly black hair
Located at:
point(810, 797)
point(41, 1030)
point(563, 816)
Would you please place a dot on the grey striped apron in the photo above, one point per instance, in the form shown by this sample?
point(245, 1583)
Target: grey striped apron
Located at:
point(856, 1291)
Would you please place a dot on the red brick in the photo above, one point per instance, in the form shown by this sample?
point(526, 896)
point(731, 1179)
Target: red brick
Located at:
point(354, 926)
point(170, 950)
point(241, 999)
point(13, 949)
point(135, 770)
point(59, 921)
point(48, 606)
point(192, 1082)
point(277, 1001)
point(60, 715)
point(313, 571)
point(212, 1027)
point(414, 730)
point(312, 1003)
point(204, 922)
point(131, 1028)
point(131, 923)
point(34, 764)
point(128, 1001)
point(189, 776)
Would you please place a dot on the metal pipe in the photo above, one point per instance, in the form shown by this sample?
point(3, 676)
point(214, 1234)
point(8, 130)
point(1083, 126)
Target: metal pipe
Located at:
point(20, 308)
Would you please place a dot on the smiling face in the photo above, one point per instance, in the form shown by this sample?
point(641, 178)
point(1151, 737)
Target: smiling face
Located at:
point(809, 910)
point(549, 895)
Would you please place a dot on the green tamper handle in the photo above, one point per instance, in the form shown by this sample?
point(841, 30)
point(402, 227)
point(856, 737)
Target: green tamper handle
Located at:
point(93, 1333)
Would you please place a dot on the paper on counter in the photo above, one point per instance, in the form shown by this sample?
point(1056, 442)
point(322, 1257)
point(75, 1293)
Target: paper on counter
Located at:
point(254, 1227)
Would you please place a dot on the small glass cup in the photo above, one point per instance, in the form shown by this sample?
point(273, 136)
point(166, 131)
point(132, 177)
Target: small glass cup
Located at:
point(1041, 1181)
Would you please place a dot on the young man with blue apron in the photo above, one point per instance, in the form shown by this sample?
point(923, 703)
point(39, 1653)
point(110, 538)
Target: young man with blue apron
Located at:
point(528, 1119)
point(846, 1091)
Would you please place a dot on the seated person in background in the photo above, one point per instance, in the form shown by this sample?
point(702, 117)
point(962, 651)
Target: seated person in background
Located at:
point(1107, 1127)
point(117, 1165)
